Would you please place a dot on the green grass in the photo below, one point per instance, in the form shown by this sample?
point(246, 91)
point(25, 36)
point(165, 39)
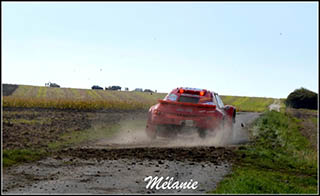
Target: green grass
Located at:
point(246, 180)
point(15, 156)
point(280, 160)
point(78, 137)
point(27, 121)
point(248, 104)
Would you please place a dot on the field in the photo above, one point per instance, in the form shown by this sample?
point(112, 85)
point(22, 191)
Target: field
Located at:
point(68, 98)
point(248, 104)
point(87, 99)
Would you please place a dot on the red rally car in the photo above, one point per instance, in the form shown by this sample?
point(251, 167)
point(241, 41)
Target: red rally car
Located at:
point(189, 108)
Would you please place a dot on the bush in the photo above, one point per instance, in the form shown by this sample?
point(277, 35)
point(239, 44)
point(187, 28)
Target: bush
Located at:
point(302, 98)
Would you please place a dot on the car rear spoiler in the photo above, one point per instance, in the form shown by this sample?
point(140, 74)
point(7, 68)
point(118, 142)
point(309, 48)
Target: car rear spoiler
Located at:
point(188, 104)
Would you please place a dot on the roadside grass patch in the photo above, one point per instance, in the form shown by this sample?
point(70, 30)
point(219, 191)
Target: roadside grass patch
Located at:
point(260, 181)
point(11, 157)
point(78, 137)
point(27, 121)
point(280, 159)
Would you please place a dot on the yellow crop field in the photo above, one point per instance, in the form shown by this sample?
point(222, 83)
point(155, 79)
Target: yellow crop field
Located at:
point(70, 98)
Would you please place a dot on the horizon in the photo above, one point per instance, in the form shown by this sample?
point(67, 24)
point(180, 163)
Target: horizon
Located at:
point(123, 90)
point(234, 49)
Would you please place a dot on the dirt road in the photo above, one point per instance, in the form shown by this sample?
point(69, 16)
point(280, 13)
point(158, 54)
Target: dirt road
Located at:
point(119, 164)
point(275, 105)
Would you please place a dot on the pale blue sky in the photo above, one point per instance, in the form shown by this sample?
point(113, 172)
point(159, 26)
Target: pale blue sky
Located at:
point(245, 49)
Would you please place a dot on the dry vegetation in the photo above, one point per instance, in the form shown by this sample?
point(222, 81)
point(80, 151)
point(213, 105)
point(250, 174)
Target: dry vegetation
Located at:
point(87, 99)
point(81, 99)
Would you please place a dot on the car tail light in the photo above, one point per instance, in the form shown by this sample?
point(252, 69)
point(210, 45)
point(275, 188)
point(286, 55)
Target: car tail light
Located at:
point(192, 92)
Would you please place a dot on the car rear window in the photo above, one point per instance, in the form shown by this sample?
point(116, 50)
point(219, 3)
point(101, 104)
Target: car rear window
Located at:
point(186, 99)
point(172, 97)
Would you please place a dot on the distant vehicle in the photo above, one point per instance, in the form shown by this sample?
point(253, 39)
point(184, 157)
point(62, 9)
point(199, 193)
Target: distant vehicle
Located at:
point(114, 88)
point(185, 109)
point(96, 87)
point(49, 84)
point(138, 90)
point(148, 90)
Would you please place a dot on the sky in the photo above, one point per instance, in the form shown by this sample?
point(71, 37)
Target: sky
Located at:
point(243, 49)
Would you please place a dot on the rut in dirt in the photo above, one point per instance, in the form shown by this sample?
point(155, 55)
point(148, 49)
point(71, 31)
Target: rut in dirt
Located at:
point(194, 154)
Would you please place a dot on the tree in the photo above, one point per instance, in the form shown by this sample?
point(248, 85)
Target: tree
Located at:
point(302, 98)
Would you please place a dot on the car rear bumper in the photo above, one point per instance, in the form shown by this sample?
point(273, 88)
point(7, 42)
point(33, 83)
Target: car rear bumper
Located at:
point(205, 122)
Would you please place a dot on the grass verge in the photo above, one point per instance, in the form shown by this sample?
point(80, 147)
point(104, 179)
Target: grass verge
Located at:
point(280, 160)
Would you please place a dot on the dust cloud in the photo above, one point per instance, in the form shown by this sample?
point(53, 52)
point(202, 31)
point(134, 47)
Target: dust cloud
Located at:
point(132, 134)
